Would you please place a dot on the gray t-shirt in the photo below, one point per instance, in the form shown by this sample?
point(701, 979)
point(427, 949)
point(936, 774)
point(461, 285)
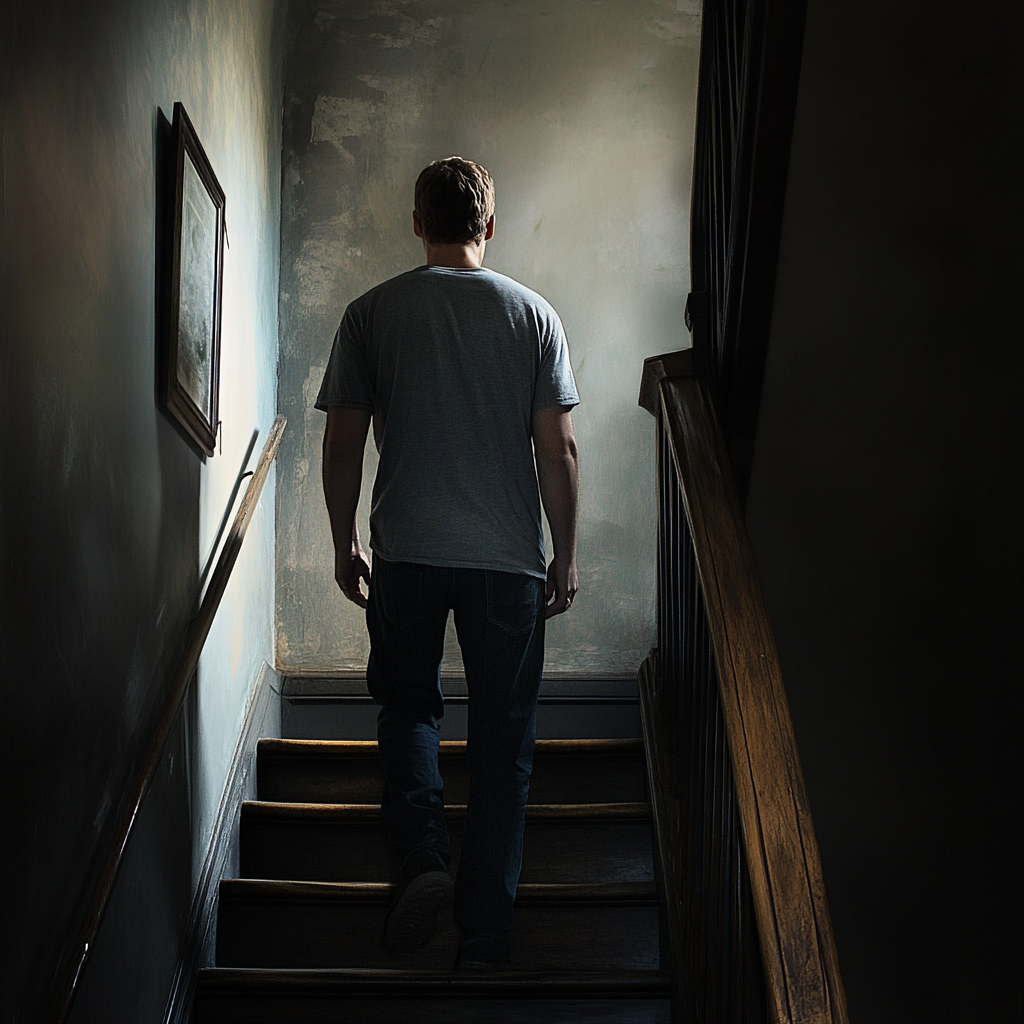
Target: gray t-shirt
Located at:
point(453, 364)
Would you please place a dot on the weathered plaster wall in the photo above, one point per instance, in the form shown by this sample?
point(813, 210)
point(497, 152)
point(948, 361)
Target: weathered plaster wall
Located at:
point(583, 114)
point(106, 514)
point(886, 503)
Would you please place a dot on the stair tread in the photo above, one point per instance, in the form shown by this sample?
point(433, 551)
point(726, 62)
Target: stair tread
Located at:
point(442, 984)
point(548, 894)
point(291, 749)
point(454, 812)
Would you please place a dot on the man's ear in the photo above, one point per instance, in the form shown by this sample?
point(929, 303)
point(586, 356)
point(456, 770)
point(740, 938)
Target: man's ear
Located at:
point(416, 229)
point(490, 229)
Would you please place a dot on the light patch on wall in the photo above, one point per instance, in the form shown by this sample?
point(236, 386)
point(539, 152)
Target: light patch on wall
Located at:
point(409, 32)
point(340, 117)
point(678, 31)
point(336, 118)
point(322, 261)
point(311, 385)
point(282, 648)
point(675, 33)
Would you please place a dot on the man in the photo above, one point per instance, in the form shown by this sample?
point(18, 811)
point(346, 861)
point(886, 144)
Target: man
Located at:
point(466, 376)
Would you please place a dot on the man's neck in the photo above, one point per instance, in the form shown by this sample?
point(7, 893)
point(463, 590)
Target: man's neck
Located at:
point(455, 255)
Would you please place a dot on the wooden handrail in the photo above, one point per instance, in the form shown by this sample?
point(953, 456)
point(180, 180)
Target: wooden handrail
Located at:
point(798, 951)
point(199, 629)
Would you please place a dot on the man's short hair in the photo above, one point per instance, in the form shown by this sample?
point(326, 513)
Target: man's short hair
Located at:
point(454, 201)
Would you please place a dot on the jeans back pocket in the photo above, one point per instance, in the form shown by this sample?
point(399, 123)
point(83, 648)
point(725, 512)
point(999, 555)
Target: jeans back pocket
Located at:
point(513, 601)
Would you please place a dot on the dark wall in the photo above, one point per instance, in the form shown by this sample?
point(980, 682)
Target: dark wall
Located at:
point(100, 496)
point(886, 501)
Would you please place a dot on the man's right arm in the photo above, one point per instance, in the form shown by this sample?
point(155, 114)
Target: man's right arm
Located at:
point(344, 441)
point(558, 472)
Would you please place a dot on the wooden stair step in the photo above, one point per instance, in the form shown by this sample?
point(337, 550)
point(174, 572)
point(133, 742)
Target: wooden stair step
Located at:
point(270, 923)
point(239, 996)
point(557, 894)
point(348, 771)
point(605, 842)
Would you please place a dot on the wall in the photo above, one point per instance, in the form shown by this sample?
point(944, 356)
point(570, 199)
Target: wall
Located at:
point(886, 499)
point(107, 515)
point(583, 113)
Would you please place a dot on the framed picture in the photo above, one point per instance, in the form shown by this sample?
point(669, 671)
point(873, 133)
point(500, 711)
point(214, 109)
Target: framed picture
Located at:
point(195, 269)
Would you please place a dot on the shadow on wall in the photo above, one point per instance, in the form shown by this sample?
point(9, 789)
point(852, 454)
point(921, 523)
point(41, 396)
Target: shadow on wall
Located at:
point(885, 506)
point(584, 116)
point(106, 512)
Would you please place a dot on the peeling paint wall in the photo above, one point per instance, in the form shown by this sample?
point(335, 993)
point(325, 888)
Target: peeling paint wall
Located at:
point(106, 515)
point(583, 113)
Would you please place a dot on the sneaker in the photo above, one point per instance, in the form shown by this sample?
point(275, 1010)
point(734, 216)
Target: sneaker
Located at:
point(481, 953)
point(412, 919)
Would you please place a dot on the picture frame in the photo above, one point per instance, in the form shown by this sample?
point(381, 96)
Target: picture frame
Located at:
point(194, 276)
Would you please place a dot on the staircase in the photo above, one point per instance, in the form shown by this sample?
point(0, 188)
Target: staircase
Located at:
point(298, 935)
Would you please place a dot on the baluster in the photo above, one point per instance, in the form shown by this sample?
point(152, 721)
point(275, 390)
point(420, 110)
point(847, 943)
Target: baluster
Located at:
point(723, 968)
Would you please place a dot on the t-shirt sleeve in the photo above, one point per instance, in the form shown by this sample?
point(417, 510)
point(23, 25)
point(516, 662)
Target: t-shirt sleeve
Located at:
point(347, 378)
point(555, 382)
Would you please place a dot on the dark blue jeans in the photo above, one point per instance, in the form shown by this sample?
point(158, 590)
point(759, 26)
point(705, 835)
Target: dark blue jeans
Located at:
point(499, 618)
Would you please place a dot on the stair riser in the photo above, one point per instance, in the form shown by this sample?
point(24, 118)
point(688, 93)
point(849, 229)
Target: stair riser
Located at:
point(333, 719)
point(307, 934)
point(211, 1009)
point(554, 851)
point(358, 781)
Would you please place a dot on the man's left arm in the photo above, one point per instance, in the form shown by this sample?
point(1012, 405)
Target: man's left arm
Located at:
point(344, 443)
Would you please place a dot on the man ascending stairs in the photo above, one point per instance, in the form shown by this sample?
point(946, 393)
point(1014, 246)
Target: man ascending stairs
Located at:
point(465, 374)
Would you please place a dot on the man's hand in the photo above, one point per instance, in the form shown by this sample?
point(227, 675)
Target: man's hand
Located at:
point(349, 568)
point(562, 586)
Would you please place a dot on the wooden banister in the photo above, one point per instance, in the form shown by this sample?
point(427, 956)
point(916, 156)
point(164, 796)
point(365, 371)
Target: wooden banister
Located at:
point(199, 629)
point(780, 852)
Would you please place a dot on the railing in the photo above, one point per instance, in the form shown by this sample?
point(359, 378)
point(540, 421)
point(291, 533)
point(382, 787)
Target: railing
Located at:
point(748, 921)
point(199, 630)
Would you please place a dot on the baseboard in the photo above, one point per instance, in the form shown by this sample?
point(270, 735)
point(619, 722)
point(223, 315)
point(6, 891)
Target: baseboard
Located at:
point(262, 718)
point(453, 684)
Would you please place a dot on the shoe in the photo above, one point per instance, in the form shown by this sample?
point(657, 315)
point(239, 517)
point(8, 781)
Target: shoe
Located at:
point(481, 953)
point(412, 919)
